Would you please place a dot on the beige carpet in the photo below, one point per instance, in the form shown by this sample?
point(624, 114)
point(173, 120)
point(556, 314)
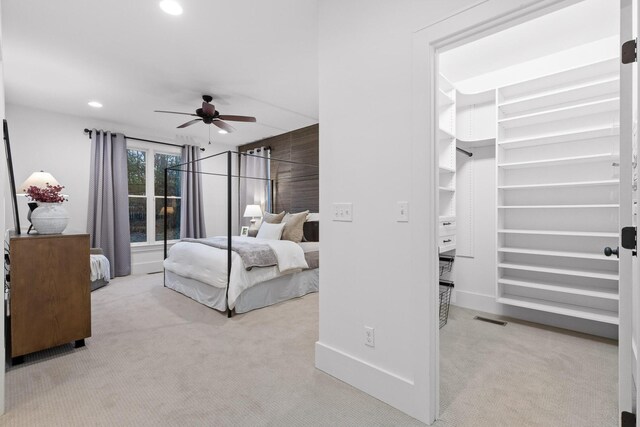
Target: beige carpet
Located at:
point(524, 374)
point(158, 358)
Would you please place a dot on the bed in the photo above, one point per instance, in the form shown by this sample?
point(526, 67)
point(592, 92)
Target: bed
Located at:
point(237, 274)
point(198, 269)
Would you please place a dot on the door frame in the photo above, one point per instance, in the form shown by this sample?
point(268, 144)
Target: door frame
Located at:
point(626, 359)
point(474, 22)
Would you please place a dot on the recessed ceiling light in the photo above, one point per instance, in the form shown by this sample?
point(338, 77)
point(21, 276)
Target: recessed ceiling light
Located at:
point(222, 131)
point(171, 7)
point(95, 104)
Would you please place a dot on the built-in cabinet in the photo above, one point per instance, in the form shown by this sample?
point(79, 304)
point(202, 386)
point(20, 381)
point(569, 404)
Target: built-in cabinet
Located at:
point(557, 201)
point(446, 136)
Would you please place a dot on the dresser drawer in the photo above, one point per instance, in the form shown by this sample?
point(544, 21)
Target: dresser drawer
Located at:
point(447, 243)
point(447, 226)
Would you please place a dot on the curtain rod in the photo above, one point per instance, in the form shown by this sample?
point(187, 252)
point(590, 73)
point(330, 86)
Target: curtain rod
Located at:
point(257, 150)
point(87, 131)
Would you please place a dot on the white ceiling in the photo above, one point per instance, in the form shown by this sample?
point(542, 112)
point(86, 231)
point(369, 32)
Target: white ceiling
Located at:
point(256, 58)
point(584, 22)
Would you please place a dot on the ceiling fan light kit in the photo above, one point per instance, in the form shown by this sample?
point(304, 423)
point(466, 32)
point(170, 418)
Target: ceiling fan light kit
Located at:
point(209, 115)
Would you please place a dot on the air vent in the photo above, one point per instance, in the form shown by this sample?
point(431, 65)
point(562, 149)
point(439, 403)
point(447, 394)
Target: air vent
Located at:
point(495, 322)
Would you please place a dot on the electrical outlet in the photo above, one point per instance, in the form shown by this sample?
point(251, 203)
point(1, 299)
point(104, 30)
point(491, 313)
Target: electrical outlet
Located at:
point(403, 212)
point(369, 336)
point(343, 212)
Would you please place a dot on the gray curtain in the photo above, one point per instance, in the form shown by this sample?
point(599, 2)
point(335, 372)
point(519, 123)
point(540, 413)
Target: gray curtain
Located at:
point(255, 191)
point(192, 209)
point(108, 220)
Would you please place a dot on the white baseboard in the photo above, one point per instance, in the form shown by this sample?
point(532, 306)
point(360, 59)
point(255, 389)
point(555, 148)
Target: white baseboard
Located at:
point(487, 303)
point(146, 267)
point(393, 389)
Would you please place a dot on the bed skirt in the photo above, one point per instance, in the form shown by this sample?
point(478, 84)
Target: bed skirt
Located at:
point(261, 295)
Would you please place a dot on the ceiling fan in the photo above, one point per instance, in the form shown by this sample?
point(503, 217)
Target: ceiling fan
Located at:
point(209, 115)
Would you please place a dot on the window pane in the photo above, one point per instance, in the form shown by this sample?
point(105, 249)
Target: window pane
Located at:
point(173, 219)
point(138, 219)
point(162, 161)
point(136, 168)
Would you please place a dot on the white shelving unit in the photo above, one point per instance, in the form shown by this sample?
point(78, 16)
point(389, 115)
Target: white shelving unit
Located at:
point(447, 163)
point(557, 145)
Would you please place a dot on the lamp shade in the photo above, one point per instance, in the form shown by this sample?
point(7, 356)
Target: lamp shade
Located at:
point(170, 210)
point(38, 179)
point(252, 211)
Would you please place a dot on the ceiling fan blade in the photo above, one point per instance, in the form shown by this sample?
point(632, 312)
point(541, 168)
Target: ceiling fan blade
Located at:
point(208, 109)
point(189, 123)
point(224, 126)
point(238, 118)
point(174, 112)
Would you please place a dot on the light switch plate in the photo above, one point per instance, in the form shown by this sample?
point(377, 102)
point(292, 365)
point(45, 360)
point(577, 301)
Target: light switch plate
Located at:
point(402, 214)
point(342, 212)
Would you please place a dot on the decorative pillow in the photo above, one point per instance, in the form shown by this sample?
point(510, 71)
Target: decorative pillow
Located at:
point(273, 218)
point(270, 231)
point(293, 224)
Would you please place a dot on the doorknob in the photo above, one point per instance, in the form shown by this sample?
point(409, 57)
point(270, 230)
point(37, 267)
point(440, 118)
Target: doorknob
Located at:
point(608, 251)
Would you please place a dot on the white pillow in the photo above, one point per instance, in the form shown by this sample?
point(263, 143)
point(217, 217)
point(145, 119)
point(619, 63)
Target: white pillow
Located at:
point(270, 231)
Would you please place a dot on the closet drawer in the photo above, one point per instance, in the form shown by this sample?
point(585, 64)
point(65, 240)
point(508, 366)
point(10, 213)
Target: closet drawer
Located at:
point(447, 226)
point(447, 243)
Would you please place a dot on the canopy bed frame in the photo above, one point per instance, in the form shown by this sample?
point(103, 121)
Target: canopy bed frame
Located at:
point(311, 230)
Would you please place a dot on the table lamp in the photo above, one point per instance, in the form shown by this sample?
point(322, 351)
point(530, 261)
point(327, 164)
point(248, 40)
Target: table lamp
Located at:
point(253, 212)
point(40, 180)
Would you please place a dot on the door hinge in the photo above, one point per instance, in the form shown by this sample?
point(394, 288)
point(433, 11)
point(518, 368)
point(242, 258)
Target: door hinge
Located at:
point(628, 419)
point(629, 52)
point(628, 238)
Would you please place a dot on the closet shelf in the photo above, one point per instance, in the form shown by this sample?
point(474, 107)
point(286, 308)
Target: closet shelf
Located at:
point(561, 308)
point(446, 169)
point(559, 233)
point(445, 134)
point(560, 185)
point(562, 113)
point(562, 254)
point(558, 137)
point(477, 143)
point(607, 86)
point(559, 161)
point(558, 206)
point(445, 84)
point(444, 100)
point(610, 294)
point(586, 73)
point(561, 271)
point(447, 189)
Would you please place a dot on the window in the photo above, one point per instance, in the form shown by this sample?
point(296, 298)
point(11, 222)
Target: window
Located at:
point(146, 195)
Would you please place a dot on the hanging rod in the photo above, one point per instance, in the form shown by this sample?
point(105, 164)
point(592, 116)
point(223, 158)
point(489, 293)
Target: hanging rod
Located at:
point(89, 132)
point(468, 153)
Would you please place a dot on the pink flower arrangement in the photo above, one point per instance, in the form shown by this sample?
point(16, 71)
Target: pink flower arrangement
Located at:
point(49, 194)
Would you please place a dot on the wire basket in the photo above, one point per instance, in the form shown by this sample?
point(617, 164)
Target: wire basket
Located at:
point(445, 299)
point(446, 263)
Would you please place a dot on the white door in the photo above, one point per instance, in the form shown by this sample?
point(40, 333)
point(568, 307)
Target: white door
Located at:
point(629, 331)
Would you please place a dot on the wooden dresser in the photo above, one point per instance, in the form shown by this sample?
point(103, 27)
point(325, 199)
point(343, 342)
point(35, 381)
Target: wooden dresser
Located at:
point(50, 297)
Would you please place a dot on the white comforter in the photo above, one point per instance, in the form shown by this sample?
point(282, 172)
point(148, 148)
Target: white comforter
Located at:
point(209, 265)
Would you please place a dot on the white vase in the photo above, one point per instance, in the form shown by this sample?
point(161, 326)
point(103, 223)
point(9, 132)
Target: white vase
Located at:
point(49, 218)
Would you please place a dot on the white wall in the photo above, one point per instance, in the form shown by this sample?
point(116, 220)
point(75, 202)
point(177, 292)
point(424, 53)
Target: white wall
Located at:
point(43, 140)
point(365, 156)
point(4, 185)
point(477, 274)
point(598, 50)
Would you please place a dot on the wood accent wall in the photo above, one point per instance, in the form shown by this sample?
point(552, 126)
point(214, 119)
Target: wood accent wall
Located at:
point(296, 186)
